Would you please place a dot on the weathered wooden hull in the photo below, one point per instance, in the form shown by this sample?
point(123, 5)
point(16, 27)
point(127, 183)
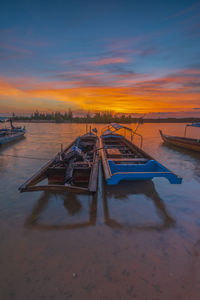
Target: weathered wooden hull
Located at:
point(128, 162)
point(186, 143)
point(56, 181)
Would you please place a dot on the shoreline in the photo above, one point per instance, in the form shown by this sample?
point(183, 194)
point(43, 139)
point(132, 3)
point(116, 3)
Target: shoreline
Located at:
point(93, 122)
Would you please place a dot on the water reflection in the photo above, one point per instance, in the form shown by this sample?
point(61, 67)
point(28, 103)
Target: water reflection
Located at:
point(73, 206)
point(189, 159)
point(12, 143)
point(122, 191)
point(9, 158)
point(180, 150)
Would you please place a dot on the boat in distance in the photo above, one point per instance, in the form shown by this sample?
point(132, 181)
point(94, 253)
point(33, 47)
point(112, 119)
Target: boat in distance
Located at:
point(13, 133)
point(123, 160)
point(183, 142)
point(73, 169)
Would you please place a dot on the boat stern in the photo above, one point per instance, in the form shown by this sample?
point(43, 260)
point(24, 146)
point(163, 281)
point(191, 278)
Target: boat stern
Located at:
point(140, 171)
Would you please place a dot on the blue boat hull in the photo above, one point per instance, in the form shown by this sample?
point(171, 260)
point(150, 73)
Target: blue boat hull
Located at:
point(124, 161)
point(146, 171)
point(8, 139)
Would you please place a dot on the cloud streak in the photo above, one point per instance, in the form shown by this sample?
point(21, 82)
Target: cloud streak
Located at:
point(176, 91)
point(109, 61)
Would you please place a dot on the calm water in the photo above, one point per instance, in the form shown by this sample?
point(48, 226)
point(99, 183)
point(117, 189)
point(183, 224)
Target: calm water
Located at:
point(136, 240)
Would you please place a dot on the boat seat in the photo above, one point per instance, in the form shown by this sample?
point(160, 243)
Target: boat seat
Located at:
point(113, 151)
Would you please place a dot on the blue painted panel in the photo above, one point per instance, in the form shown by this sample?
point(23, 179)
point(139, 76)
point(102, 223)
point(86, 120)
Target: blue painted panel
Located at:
point(144, 171)
point(150, 166)
point(116, 178)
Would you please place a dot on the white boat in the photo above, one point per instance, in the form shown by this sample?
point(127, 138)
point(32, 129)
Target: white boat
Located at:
point(10, 134)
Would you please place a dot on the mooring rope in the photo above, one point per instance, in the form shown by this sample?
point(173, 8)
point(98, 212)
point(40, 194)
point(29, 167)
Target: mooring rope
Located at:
point(27, 157)
point(37, 158)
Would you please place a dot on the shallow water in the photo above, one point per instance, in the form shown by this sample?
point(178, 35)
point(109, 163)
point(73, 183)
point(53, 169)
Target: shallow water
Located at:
point(136, 240)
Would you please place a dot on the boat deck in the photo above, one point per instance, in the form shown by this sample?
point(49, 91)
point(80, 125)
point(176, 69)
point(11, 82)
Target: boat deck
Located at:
point(122, 160)
point(75, 168)
point(120, 151)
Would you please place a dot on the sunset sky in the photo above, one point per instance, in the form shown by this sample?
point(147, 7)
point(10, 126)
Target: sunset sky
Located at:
point(120, 56)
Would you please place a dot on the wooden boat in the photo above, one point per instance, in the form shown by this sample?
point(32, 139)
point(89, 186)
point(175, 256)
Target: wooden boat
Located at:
point(123, 160)
point(74, 169)
point(183, 142)
point(10, 134)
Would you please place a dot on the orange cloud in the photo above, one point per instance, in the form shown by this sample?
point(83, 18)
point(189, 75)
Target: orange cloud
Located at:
point(123, 99)
point(129, 94)
point(108, 61)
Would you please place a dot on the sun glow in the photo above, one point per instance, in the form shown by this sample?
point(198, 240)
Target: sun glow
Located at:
point(175, 93)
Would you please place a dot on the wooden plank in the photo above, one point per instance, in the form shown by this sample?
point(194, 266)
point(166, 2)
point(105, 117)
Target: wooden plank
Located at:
point(113, 151)
point(94, 172)
point(106, 166)
point(55, 187)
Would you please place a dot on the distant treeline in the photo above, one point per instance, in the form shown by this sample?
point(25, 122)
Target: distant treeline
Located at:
point(104, 117)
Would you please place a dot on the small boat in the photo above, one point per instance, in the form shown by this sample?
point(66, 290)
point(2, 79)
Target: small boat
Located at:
point(74, 169)
point(123, 160)
point(183, 142)
point(10, 134)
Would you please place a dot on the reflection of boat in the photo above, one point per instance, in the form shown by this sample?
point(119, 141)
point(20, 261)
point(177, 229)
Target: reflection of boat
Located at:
point(75, 168)
point(183, 142)
point(123, 160)
point(122, 191)
point(73, 207)
point(10, 134)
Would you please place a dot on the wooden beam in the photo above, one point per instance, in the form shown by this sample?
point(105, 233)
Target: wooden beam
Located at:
point(106, 166)
point(129, 159)
point(94, 172)
point(56, 187)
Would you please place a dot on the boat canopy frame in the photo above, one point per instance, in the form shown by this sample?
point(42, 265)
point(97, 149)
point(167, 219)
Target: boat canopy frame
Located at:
point(114, 127)
point(191, 125)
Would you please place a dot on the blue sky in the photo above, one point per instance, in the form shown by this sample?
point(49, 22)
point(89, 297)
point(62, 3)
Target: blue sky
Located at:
point(87, 44)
